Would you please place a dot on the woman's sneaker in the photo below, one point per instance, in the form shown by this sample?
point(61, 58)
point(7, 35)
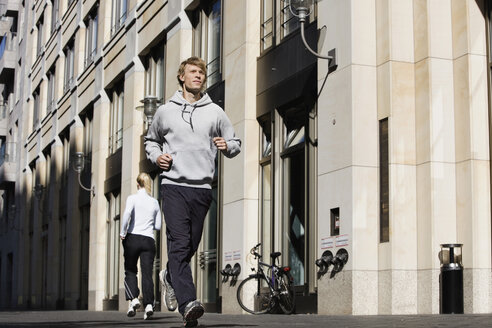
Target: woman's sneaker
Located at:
point(149, 311)
point(132, 307)
point(170, 297)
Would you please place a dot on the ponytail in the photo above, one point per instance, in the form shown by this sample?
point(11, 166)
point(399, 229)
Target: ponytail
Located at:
point(144, 181)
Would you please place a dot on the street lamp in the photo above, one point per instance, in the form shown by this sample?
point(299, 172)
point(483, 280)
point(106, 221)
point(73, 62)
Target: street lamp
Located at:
point(302, 9)
point(38, 191)
point(78, 164)
point(149, 108)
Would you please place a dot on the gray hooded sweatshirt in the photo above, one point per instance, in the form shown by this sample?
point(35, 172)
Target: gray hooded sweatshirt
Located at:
point(185, 131)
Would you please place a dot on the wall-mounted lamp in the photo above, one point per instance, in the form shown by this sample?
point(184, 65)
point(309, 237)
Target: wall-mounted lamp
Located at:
point(302, 9)
point(38, 191)
point(324, 262)
point(236, 270)
point(339, 261)
point(226, 272)
point(78, 164)
point(12, 211)
point(231, 271)
point(149, 108)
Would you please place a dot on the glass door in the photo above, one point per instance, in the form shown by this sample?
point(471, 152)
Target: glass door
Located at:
point(294, 194)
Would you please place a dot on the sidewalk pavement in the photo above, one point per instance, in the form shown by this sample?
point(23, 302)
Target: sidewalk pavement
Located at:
point(76, 319)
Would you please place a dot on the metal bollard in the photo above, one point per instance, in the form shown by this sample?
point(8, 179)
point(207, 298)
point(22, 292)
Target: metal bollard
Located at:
point(451, 279)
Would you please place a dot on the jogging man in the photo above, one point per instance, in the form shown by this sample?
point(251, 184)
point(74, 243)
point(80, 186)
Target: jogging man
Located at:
point(183, 141)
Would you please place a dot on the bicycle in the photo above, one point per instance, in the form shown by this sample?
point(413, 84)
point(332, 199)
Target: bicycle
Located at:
point(260, 293)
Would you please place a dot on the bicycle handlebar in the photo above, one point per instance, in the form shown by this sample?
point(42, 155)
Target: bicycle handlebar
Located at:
point(253, 250)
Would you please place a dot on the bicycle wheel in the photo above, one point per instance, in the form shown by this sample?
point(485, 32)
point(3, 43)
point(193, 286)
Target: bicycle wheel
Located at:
point(253, 295)
point(287, 295)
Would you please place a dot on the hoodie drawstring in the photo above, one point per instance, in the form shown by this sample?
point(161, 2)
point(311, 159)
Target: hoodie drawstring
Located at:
point(183, 110)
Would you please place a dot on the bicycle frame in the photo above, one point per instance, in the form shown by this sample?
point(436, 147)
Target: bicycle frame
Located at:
point(274, 275)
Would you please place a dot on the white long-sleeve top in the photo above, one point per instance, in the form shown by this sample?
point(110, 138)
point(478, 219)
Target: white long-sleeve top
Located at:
point(142, 215)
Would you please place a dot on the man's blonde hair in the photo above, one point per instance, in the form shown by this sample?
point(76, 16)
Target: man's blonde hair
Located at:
point(192, 61)
point(144, 181)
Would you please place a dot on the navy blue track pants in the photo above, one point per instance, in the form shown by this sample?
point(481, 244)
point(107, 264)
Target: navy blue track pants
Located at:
point(185, 209)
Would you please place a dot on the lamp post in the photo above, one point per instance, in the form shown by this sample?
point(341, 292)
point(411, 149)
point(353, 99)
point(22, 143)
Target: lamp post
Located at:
point(149, 108)
point(78, 164)
point(302, 9)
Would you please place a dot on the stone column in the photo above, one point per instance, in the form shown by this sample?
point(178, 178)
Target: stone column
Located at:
point(54, 225)
point(472, 151)
point(132, 148)
point(436, 182)
point(240, 174)
point(348, 155)
point(72, 264)
point(98, 216)
point(397, 258)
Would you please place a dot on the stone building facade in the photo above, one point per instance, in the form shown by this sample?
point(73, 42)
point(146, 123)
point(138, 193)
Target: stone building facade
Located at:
point(385, 156)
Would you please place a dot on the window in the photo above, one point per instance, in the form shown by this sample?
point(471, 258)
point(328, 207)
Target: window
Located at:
point(45, 199)
point(156, 189)
point(86, 175)
point(116, 120)
point(118, 14)
point(289, 22)
point(22, 13)
point(18, 76)
point(62, 255)
point(51, 102)
point(207, 39)
point(65, 161)
point(113, 245)
point(277, 18)
point(383, 182)
point(33, 198)
point(35, 112)
point(55, 5)
point(266, 223)
point(267, 24)
point(87, 146)
point(40, 46)
point(293, 159)
point(154, 73)
point(90, 38)
point(69, 66)
point(288, 188)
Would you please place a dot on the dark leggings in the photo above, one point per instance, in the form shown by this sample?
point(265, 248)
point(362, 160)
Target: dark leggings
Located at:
point(135, 247)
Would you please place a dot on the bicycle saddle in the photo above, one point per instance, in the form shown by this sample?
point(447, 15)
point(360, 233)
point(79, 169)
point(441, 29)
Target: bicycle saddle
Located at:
point(274, 255)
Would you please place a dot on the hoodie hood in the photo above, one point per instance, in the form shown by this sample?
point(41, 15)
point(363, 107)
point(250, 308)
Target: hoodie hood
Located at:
point(178, 99)
point(187, 108)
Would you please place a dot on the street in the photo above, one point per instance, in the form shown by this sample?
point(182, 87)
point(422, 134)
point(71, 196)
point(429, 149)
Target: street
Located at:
point(59, 319)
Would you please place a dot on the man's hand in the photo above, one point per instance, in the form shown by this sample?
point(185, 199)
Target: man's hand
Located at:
point(220, 143)
point(122, 237)
point(165, 161)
